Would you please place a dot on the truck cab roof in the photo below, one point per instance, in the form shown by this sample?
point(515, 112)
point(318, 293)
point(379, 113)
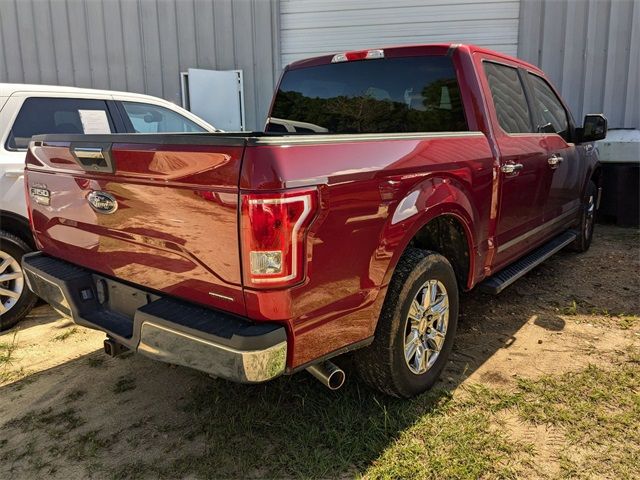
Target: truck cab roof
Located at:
point(411, 50)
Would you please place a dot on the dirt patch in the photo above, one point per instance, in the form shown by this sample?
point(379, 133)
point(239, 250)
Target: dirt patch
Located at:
point(68, 411)
point(547, 441)
point(571, 311)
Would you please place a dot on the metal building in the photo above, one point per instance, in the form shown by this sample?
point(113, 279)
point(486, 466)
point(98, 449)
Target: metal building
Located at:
point(141, 45)
point(590, 48)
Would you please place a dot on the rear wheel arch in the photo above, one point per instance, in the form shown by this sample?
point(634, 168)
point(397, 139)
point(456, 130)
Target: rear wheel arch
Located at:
point(421, 234)
point(446, 200)
point(451, 237)
point(596, 176)
point(18, 226)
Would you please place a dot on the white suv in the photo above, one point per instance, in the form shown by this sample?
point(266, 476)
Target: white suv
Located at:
point(27, 110)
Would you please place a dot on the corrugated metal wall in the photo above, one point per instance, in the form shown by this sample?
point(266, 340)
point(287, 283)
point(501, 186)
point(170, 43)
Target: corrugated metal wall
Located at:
point(314, 27)
point(591, 50)
point(141, 45)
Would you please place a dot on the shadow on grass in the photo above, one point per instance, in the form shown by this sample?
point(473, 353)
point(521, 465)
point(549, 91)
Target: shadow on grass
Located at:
point(294, 426)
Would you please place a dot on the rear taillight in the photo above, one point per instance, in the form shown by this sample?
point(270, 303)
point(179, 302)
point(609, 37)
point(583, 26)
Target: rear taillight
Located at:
point(273, 231)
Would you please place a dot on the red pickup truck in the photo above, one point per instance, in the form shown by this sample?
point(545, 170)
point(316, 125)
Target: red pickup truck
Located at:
point(385, 182)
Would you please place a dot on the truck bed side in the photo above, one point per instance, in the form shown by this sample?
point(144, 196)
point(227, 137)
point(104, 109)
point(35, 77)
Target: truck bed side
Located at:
point(376, 192)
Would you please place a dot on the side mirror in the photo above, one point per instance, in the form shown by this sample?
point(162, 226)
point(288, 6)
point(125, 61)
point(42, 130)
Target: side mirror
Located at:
point(594, 128)
point(152, 116)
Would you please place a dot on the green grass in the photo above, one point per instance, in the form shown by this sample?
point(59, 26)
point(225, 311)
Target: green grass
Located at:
point(88, 445)
point(600, 412)
point(596, 409)
point(74, 396)
point(7, 351)
point(294, 428)
point(454, 441)
point(56, 424)
point(124, 384)
point(626, 322)
point(572, 309)
point(290, 427)
point(66, 334)
point(96, 361)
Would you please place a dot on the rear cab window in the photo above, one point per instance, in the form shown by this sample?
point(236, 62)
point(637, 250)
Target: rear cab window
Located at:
point(390, 95)
point(41, 115)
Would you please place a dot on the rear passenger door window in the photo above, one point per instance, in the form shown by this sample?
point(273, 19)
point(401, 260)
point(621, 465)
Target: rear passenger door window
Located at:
point(508, 98)
point(551, 115)
point(40, 115)
point(147, 118)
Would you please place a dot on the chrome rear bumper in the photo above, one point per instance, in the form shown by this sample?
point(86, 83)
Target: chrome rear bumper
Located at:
point(180, 348)
point(161, 328)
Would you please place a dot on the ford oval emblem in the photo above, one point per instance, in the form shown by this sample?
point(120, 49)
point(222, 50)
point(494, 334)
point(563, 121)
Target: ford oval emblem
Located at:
point(102, 202)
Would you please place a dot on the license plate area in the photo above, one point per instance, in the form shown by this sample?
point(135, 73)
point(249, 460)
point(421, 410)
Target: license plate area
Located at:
point(116, 307)
point(120, 298)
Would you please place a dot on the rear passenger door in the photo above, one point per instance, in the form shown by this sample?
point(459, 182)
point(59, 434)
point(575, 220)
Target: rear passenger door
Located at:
point(523, 161)
point(563, 173)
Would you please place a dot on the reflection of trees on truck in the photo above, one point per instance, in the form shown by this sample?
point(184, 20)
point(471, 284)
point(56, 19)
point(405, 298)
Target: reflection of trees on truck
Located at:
point(435, 109)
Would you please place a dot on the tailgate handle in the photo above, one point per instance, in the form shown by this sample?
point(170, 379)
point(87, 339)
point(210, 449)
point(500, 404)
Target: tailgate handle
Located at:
point(94, 158)
point(89, 152)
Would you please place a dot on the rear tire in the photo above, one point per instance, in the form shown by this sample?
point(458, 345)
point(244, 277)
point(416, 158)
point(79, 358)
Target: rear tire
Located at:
point(16, 300)
point(413, 319)
point(587, 220)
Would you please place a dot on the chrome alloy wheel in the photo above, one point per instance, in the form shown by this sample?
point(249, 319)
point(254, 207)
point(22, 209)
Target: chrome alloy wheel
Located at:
point(11, 282)
point(588, 224)
point(426, 326)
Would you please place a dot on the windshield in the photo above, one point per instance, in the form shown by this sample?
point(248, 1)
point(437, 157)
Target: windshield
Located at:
point(409, 94)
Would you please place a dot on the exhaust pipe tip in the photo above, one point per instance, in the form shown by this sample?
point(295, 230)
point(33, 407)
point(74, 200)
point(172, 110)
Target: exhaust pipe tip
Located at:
point(329, 374)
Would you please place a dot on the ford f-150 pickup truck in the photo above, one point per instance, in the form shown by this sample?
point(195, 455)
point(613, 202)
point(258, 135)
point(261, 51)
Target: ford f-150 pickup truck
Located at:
point(386, 182)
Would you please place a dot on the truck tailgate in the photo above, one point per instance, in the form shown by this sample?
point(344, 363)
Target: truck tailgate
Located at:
point(159, 211)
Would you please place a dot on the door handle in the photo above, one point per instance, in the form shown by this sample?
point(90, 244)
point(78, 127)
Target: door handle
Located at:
point(511, 168)
point(555, 161)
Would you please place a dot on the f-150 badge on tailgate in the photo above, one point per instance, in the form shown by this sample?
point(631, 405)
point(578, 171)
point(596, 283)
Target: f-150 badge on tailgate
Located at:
point(40, 194)
point(102, 202)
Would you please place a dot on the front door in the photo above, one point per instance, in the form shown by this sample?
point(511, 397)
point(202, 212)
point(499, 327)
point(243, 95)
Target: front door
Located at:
point(564, 170)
